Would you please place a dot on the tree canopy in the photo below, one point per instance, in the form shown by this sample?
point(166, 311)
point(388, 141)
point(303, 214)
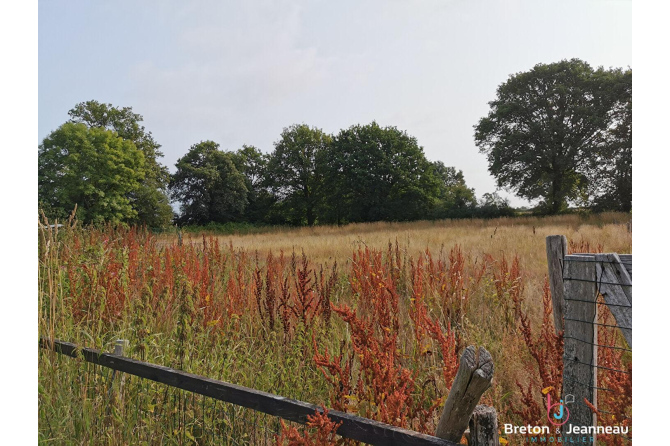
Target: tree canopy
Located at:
point(455, 198)
point(150, 200)
point(292, 171)
point(253, 164)
point(92, 168)
point(106, 162)
point(373, 173)
point(548, 129)
point(208, 186)
point(611, 174)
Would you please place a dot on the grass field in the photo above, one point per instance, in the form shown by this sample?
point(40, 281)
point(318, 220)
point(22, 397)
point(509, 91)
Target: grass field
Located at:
point(367, 318)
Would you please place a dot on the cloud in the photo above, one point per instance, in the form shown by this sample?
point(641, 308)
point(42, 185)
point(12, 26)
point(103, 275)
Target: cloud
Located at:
point(238, 60)
point(230, 75)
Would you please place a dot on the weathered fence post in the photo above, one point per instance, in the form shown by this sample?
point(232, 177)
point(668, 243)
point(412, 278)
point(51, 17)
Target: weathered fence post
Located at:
point(472, 379)
point(119, 347)
point(580, 356)
point(616, 287)
point(557, 248)
point(484, 427)
point(179, 236)
point(576, 281)
point(627, 261)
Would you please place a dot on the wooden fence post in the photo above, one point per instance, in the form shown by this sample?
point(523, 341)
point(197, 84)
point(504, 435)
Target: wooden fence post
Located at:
point(179, 237)
point(484, 427)
point(474, 376)
point(619, 298)
point(627, 260)
point(557, 248)
point(581, 336)
point(119, 347)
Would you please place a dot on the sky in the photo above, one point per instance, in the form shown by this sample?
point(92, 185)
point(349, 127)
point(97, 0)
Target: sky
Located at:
point(239, 72)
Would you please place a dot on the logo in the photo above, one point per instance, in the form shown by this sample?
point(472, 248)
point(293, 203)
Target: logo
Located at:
point(563, 415)
point(558, 415)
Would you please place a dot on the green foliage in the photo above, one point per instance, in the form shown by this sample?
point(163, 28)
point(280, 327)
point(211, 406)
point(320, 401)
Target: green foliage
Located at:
point(456, 199)
point(91, 168)
point(373, 173)
point(149, 200)
point(208, 186)
point(253, 164)
point(292, 172)
point(612, 183)
point(547, 130)
point(492, 205)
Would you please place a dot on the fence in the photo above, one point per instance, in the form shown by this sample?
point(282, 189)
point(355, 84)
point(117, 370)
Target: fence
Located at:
point(584, 288)
point(472, 379)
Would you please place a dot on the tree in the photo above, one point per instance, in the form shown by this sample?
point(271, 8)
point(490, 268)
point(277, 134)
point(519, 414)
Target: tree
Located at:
point(208, 186)
point(612, 173)
point(293, 174)
point(92, 168)
point(493, 205)
point(373, 173)
point(456, 199)
point(150, 200)
point(545, 129)
point(253, 164)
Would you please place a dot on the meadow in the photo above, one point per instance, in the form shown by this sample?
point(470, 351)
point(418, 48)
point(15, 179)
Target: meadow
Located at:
point(365, 318)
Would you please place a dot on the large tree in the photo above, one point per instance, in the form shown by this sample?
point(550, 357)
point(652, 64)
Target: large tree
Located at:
point(252, 163)
point(208, 186)
point(150, 200)
point(293, 174)
point(92, 168)
point(611, 173)
point(545, 129)
point(377, 173)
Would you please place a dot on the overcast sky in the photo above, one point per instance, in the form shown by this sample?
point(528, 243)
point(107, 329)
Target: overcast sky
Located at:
point(239, 72)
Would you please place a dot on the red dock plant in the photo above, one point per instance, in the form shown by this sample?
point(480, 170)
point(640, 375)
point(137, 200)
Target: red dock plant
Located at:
point(321, 432)
point(546, 349)
point(615, 403)
point(373, 379)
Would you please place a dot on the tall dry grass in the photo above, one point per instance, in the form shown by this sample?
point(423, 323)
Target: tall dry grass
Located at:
point(366, 318)
point(523, 236)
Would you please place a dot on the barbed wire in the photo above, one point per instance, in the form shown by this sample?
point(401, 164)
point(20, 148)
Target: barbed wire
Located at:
point(610, 262)
point(597, 323)
point(598, 366)
point(600, 303)
point(596, 281)
point(598, 345)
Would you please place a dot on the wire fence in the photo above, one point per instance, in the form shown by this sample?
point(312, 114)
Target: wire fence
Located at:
point(594, 322)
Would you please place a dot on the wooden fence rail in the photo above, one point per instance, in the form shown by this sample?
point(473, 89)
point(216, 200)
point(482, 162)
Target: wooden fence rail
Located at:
point(353, 427)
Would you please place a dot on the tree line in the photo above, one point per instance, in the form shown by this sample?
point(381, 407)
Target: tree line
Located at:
point(560, 133)
point(104, 161)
